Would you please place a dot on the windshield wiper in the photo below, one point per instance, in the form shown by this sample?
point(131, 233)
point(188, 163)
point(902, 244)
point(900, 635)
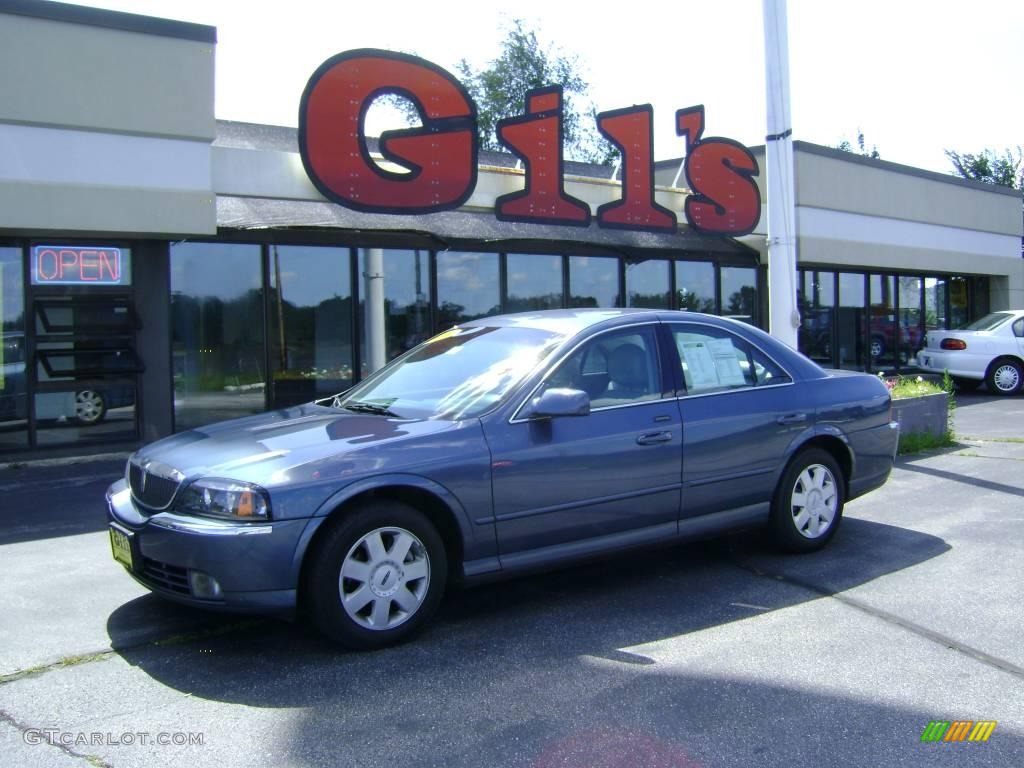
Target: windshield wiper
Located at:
point(374, 408)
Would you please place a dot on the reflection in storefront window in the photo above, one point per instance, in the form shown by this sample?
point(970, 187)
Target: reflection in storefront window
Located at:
point(816, 302)
point(13, 387)
point(467, 287)
point(647, 283)
point(534, 282)
point(959, 305)
point(593, 281)
point(934, 303)
point(739, 293)
point(850, 321)
point(310, 306)
point(695, 286)
point(911, 321)
point(400, 281)
point(882, 337)
point(217, 332)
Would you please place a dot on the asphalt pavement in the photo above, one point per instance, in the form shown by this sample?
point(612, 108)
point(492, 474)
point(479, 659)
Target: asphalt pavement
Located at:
point(722, 653)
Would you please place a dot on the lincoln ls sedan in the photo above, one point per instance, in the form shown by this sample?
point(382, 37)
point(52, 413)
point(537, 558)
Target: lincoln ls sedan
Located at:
point(501, 446)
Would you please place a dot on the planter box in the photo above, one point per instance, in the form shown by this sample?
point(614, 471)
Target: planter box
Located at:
point(926, 414)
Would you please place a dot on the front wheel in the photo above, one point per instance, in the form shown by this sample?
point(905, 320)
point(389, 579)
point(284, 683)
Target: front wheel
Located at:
point(376, 576)
point(808, 504)
point(90, 408)
point(1004, 377)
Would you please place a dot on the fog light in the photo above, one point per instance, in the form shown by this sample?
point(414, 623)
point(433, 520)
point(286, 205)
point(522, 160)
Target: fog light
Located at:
point(204, 586)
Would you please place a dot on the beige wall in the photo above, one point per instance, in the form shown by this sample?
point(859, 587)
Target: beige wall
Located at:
point(104, 130)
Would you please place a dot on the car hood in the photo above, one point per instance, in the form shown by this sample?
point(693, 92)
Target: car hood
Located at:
point(267, 449)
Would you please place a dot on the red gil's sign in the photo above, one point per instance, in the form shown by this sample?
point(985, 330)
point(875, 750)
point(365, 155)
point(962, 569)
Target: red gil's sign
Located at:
point(440, 156)
point(76, 265)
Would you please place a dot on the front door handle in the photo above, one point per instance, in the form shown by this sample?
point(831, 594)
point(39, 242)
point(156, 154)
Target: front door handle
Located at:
point(653, 438)
point(792, 418)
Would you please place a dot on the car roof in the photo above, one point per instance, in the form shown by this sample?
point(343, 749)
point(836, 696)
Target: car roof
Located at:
point(572, 321)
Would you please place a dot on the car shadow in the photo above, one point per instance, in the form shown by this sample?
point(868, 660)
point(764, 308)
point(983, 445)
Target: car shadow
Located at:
point(594, 610)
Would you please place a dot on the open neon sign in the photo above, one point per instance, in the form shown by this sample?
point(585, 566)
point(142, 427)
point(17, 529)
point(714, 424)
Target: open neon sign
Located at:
point(78, 265)
point(440, 156)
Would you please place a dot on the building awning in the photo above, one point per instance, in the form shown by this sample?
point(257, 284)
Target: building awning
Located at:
point(468, 229)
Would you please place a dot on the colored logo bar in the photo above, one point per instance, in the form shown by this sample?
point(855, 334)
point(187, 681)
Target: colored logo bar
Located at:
point(959, 730)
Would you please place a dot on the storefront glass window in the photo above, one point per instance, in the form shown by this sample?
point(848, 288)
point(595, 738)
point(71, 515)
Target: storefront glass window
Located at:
point(739, 293)
point(959, 305)
point(882, 336)
point(13, 387)
point(310, 305)
point(816, 302)
point(593, 281)
point(534, 282)
point(404, 321)
point(647, 284)
point(911, 320)
point(467, 287)
point(695, 286)
point(934, 303)
point(850, 322)
point(217, 332)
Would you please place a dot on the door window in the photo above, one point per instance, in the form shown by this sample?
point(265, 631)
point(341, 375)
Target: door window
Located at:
point(714, 360)
point(616, 368)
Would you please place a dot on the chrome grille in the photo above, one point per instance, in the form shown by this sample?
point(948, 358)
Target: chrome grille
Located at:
point(153, 489)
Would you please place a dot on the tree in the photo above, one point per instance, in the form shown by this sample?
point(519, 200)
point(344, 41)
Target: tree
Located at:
point(1004, 170)
point(500, 88)
point(845, 146)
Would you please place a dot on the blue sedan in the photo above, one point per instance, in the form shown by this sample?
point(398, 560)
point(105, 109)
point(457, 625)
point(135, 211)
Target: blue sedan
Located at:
point(501, 446)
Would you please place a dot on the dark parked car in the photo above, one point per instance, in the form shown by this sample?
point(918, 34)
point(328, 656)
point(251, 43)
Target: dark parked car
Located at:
point(503, 445)
point(87, 403)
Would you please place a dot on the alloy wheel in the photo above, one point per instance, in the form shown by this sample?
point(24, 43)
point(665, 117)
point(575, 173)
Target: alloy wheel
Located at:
point(384, 578)
point(814, 501)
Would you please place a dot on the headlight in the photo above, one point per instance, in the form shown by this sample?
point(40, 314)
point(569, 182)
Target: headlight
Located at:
point(230, 499)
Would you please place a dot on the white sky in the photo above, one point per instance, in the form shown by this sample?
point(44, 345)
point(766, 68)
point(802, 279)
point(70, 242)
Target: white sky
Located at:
point(916, 76)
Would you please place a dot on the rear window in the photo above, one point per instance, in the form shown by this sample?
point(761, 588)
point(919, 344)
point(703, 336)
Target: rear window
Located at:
point(988, 322)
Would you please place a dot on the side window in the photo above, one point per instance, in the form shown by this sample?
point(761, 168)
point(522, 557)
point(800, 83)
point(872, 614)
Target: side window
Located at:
point(616, 368)
point(1018, 328)
point(714, 360)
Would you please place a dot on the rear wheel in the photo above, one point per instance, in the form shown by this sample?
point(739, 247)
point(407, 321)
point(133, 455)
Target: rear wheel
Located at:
point(1004, 377)
point(808, 504)
point(376, 576)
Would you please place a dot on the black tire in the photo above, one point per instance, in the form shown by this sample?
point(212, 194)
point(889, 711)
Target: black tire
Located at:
point(966, 385)
point(795, 528)
point(350, 540)
point(1004, 377)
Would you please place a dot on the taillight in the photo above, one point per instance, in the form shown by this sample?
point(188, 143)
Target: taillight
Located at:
point(953, 344)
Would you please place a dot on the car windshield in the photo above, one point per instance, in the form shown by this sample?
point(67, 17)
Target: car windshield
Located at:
point(456, 375)
point(988, 322)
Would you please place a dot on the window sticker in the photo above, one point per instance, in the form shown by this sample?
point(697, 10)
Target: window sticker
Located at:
point(711, 364)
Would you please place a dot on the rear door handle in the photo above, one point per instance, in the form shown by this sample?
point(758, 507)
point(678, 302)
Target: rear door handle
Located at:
point(792, 418)
point(653, 438)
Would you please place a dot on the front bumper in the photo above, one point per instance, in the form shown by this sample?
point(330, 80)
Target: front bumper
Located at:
point(255, 564)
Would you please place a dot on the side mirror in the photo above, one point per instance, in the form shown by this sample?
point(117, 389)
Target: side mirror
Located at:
point(560, 402)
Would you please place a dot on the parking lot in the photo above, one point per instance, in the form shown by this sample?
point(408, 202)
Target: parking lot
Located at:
point(713, 654)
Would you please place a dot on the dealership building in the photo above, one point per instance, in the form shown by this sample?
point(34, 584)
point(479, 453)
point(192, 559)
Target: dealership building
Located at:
point(161, 269)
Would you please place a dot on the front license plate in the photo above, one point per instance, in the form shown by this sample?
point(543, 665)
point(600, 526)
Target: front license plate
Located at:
point(121, 547)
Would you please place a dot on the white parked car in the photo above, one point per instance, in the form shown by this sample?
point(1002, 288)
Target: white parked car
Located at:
point(990, 349)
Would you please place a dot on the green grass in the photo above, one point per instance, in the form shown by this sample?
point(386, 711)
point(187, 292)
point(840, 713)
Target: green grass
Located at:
point(919, 442)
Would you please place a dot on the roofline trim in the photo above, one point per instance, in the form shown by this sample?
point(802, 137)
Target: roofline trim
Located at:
point(119, 20)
